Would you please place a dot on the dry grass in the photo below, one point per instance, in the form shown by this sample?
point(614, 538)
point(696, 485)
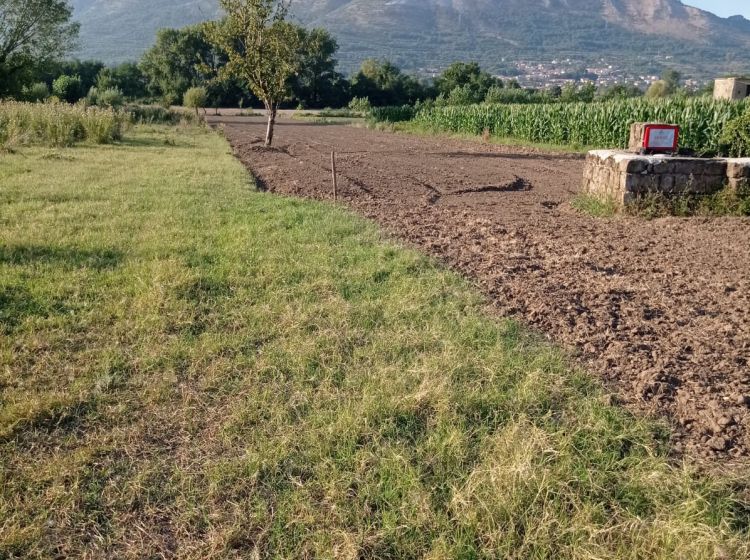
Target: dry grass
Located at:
point(192, 369)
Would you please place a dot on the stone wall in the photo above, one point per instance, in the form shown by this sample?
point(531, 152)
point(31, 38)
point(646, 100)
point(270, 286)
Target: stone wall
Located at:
point(623, 176)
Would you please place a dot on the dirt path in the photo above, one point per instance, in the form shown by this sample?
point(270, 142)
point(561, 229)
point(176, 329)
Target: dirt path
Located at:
point(661, 309)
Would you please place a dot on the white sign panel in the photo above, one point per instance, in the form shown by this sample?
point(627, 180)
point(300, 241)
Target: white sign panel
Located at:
point(661, 138)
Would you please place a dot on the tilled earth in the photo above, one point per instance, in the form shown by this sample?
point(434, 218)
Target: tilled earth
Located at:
point(659, 309)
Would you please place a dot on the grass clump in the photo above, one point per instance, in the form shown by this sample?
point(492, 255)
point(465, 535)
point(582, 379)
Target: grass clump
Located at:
point(192, 369)
point(55, 124)
point(596, 206)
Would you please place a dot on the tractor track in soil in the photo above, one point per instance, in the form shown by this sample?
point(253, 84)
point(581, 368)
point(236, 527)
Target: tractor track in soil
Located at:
point(660, 309)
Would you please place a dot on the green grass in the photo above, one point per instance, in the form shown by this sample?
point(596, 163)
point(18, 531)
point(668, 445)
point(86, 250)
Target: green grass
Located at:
point(192, 369)
point(596, 206)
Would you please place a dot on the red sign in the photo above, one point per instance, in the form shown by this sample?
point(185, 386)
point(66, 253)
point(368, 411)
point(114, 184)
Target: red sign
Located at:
point(661, 137)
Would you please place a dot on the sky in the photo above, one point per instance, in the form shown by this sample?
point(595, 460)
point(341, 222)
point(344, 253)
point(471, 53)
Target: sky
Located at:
point(723, 8)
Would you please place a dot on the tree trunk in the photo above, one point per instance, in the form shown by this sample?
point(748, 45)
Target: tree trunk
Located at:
point(271, 110)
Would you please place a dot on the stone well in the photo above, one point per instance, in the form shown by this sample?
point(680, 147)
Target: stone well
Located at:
point(623, 176)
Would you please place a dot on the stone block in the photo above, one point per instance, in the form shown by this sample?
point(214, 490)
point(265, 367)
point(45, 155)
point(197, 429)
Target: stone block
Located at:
point(637, 133)
point(639, 183)
point(667, 184)
point(716, 167)
point(633, 165)
point(738, 168)
point(698, 184)
point(661, 166)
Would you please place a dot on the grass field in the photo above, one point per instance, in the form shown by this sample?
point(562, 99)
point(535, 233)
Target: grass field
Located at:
point(192, 369)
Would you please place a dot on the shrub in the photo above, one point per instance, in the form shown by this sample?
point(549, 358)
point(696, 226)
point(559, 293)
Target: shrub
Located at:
point(111, 97)
point(35, 92)
point(195, 98)
point(152, 114)
point(735, 140)
point(67, 88)
point(58, 124)
point(360, 105)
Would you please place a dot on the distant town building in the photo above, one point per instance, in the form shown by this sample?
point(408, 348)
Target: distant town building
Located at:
point(732, 88)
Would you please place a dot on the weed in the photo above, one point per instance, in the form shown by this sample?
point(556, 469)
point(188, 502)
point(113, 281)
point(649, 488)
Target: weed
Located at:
point(725, 202)
point(599, 207)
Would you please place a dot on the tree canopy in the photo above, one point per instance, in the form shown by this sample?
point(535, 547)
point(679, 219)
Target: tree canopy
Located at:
point(474, 83)
point(383, 83)
point(177, 62)
point(316, 83)
point(32, 33)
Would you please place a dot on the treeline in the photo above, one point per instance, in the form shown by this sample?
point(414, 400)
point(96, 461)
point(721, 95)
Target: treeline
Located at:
point(184, 59)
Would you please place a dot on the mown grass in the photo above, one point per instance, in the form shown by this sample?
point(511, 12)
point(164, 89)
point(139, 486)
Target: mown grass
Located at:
point(192, 369)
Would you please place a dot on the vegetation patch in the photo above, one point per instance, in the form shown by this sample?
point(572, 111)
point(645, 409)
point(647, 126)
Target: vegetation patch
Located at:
point(219, 372)
point(597, 206)
point(57, 124)
point(600, 124)
point(726, 202)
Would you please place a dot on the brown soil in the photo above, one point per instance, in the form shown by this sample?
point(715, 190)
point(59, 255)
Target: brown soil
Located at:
point(659, 309)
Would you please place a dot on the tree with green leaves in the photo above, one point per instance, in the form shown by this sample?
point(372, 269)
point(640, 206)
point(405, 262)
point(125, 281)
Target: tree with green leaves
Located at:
point(383, 83)
point(473, 81)
point(32, 33)
point(68, 88)
point(196, 98)
point(262, 49)
point(126, 77)
point(317, 83)
point(658, 89)
point(179, 60)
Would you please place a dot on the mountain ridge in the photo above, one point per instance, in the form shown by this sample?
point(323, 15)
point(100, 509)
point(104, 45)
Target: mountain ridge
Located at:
point(432, 33)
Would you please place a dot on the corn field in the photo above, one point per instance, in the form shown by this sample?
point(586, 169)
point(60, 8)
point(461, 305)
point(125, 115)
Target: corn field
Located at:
point(601, 125)
point(57, 124)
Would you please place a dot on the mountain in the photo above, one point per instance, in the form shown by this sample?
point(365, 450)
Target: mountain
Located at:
point(640, 34)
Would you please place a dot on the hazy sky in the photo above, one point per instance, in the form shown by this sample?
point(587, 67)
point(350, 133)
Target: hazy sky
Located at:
point(724, 8)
